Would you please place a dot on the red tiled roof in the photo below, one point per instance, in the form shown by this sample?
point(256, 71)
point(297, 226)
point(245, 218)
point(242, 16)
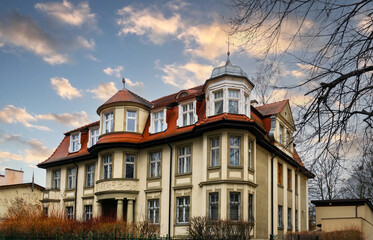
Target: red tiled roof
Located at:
point(97, 123)
point(272, 108)
point(125, 95)
point(166, 100)
point(297, 158)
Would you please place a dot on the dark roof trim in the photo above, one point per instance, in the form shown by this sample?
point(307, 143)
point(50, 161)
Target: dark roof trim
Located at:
point(343, 202)
point(22, 185)
point(67, 160)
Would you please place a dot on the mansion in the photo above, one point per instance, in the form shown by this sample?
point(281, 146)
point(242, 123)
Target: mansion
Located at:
point(204, 151)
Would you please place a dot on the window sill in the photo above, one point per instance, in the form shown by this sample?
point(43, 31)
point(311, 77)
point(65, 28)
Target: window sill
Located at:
point(183, 174)
point(251, 170)
point(89, 187)
point(70, 189)
point(280, 228)
point(131, 179)
point(154, 178)
point(280, 186)
point(213, 168)
point(235, 167)
point(181, 224)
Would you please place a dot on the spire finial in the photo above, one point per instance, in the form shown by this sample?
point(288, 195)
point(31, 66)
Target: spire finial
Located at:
point(228, 53)
point(124, 83)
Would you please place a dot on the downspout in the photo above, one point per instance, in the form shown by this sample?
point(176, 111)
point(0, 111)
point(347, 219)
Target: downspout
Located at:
point(169, 193)
point(76, 188)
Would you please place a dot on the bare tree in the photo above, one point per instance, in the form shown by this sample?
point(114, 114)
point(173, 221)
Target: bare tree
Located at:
point(265, 82)
point(333, 40)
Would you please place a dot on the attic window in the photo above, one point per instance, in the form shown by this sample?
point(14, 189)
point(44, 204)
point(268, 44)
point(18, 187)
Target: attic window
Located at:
point(74, 142)
point(187, 114)
point(183, 94)
point(158, 121)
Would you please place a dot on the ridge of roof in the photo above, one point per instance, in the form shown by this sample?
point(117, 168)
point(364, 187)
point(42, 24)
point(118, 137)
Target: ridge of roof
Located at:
point(272, 108)
point(84, 126)
point(162, 101)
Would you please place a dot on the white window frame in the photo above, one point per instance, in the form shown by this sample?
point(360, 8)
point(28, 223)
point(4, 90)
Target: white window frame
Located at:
point(184, 160)
point(130, 160)
point(153, 119)
point(155, 164)
point(56, 179)
point(232, 147)
point(131, 118)
point(192, 117)
point(90, 175)
point(214, 162)
point(108, 122)
point(88, 212)
point(247, 104)
point(75, 145)
point(185, 209)
point(236, 99)
point(94, 133)
point(153, 211)
point(218, 100)
point(107, 161)
point(213, 203)
point(236, 204)
point(69, 214)
point(71, 175)
point(251, 153)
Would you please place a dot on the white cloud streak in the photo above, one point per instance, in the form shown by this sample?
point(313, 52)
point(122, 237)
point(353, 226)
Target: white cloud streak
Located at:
point(104, 91)
point(67, 13)
point(115, 71)
point(75, 119)
point(64, 89)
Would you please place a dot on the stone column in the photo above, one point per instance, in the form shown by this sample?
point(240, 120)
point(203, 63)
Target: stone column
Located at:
point(119, 209)
point(129, 210)
point(99, 209)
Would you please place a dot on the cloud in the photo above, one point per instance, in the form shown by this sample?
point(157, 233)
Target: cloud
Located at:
point(34, 151)
point(206, 41)
point(116, 71)
point(90, 56)
point(68, 119)
point(12, 114)
point(148, 22)
point(1, 44)
point(67, 13)
point(89, 44)
point(22, 31)
point(296, 98)
point(185, 76)
point(64, 88)
point(104, 91)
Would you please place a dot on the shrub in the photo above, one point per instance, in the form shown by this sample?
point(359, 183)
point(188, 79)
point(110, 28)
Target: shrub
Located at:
point(350, 234)
point(203, 228)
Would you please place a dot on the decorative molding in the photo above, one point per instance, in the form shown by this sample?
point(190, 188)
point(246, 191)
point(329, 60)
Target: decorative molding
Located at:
point(201, 184)
point(116, 185)
point(183, 187)
point(153, 190)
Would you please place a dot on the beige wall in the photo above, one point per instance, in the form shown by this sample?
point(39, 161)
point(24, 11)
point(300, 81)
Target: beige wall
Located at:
point(9, 195)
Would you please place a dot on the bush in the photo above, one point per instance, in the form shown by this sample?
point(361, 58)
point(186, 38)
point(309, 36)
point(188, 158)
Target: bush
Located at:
point(203, 228)
point(351, 234)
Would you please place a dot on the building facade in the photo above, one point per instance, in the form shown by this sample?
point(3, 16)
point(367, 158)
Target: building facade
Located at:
point(204, 151)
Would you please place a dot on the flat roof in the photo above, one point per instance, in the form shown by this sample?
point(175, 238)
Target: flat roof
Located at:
point(343, 202)
point(22, 185)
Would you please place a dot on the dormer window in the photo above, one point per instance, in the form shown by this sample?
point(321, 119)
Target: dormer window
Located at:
point(187, 114)
point(233, 96)
point(247, 105)
point(108, 122)
point(218, 102)
point(158, 121)
point(131, 121)
point(74, 142)
point(280, 135)
point(93, 137)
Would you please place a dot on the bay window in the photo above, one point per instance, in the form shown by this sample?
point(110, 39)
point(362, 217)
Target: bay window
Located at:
point(130, 166)
point(108, 122)
point(131, 121)
point(235, 206)
point(218, 102)
point(214, 152)
point(107, 167)
point(234, 151)
point(233, 97)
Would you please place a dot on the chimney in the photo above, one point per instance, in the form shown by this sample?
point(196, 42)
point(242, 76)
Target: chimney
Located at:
point(13, 176)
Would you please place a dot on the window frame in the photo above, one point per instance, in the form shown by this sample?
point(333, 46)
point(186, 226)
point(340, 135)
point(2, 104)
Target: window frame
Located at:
point(71, 178)
point(212, 204)
point(218, 151)
point(289, 179)
point(131, 118)
point(93, 138)
point(191, 114)
point(233, 99)
point(296, 220)
point(90, 173)
point(88, 215)
point(280, 135)
point(72, 147)
point(251, 207)
point(185, 159)
point(69, 214)
point(130, 163)
point(56, 185)
point(185, 206)
point(106, 120)
point(251, 154)
point(237, 204)
point(153, 211)
point(280, 217)
point(290, 224)
point(157, 164)
point(220, 99)
point(234, 147)
point(280, 174)
point(110, 176)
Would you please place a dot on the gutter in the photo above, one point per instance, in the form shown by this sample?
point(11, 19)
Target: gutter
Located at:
point(76, 188)
point(169, 193)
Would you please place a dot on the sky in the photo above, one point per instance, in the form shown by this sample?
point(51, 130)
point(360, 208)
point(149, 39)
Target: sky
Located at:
point(60, 60)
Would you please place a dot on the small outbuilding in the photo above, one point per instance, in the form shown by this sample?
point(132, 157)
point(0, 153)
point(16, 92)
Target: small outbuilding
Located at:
point(340, 214)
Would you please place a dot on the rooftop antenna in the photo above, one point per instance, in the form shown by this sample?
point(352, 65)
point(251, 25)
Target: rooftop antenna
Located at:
point(124, 83)
point(228, 53)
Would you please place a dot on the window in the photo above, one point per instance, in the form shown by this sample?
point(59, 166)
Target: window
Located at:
point(153, 211)
point(247, 105)
point(214, 206)
point(71, 178)
point(218, 102)
point(233, 101)
point(290, 226)
point(234, 151)
point(296, 220)
point(75, 142)
point(70, 213)
point(155, 164)
point(289, 179)
point(187, 114)
point(280, 222)
point(93, 137)
point(159, 120)
point(108, 164)
point(280, 137)
point(131, 121)
point(90, 175)
point(45, 211)
point(108, 122)
point(184, 160)
point(87, 212)
point(251, 207)
point(234, 206)
point(215, 152)
point(56, 179)
point(288, 139)
point(130, 166)
point(182, 209)
point(296, 183)
point(251, 153)
point(279, 174)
